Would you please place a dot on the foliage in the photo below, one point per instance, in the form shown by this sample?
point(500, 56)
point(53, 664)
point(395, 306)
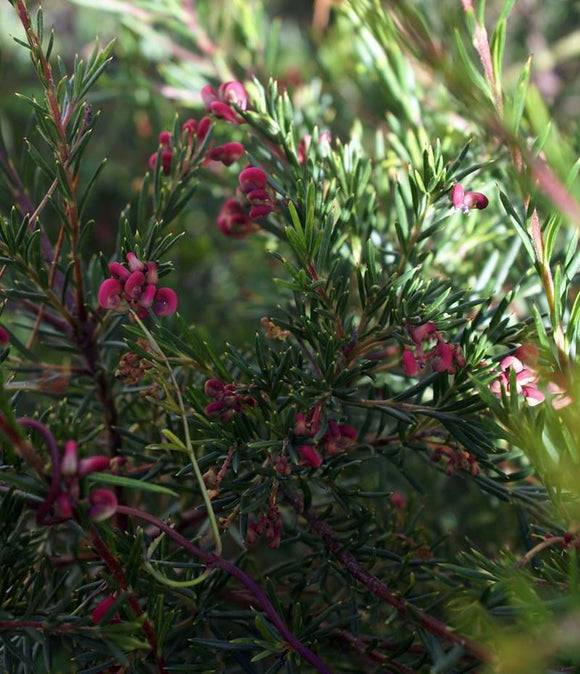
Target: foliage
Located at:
point(363, 454)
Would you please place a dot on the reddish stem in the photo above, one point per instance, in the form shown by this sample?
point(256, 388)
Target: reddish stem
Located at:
point(215, 561)
point(380, 590)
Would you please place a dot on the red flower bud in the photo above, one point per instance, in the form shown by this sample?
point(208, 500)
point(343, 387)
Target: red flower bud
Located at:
point(310, 455)
point(227, 154)
point(147, 297)
point(410, 363)
point(4, 337)
point(93, 464)
point(103, 504)
point(134, 263)
point(101, 610)
point(213, 387)
point(118, 271)
point(203, 128)
point(69, 463)
point(165, 138)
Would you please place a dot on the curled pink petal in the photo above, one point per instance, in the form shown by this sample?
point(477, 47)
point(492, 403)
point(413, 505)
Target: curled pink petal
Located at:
point(475, 200)
point(310, 455)
point(103, 504)
point(259, 197)
point(93, 464)
point(165, 302)
point(203, 128)
point(410, 363)
point(252, 178)
point(511, 362)
point(215, 409)
point(165, 138)
point(233, 92)
point(118, 271)
point(208, 95)
point(457, 195)
point(109, 295)
point(227, 154)
point(259, 212)
point(533, 395)
point(223, 111)
point(151, 273)
point(69, 463)
point(134, 285)
point(189, 127)
point(147, 297)
point(213, 387)
point(134, 263)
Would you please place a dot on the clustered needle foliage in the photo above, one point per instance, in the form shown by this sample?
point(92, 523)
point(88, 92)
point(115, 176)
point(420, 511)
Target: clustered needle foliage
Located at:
point(309, 401)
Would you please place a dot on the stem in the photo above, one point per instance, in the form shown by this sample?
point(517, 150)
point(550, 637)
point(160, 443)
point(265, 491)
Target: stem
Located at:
point(379, 589)
point(215, 561)
point(48, 437)
point(115, 568)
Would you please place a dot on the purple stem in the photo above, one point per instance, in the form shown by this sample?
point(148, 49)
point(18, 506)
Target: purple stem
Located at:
point(215, 561)
point(54, 488)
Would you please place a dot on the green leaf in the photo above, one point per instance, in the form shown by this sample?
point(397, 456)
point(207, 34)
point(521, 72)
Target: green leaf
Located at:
point(130, 483)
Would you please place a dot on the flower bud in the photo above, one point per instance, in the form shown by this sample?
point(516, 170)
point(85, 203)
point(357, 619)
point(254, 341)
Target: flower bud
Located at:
point(93, 464)
point(69, 463)
point(103, 504)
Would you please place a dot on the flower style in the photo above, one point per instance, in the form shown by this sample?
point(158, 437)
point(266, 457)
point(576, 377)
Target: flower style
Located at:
point(222, 103)
point(135, 288)
point(466, 201)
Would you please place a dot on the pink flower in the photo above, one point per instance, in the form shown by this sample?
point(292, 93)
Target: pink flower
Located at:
point(252, 178)
point(69, 463)
point(166, 161)
point(233, 220)
point(525, 381)
point(103, 504)
point(109, 295)
point(233, 93)
point(4, 337)
point(93, 464)
point(310, 455)
point(165, 302)
point(338, 437)
point(410, 363)
point(466, 201)
point(220, 102)
point(227, 154)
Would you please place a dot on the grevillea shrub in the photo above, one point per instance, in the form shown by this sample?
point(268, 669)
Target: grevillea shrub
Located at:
point(361, 455)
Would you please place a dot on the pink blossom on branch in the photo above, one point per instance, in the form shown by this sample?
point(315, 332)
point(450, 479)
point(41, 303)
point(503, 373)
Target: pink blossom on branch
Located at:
point(466, 201)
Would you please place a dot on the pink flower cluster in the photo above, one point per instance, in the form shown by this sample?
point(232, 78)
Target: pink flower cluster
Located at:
point(338, 437)
point(103, 502)
point(466, 201)
point(429, 347)
point(227, 399)
point(222, 103)
point(269, 525)
point(136, 288)
point(254, 201)
point(524, 363)
point(324, 140)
